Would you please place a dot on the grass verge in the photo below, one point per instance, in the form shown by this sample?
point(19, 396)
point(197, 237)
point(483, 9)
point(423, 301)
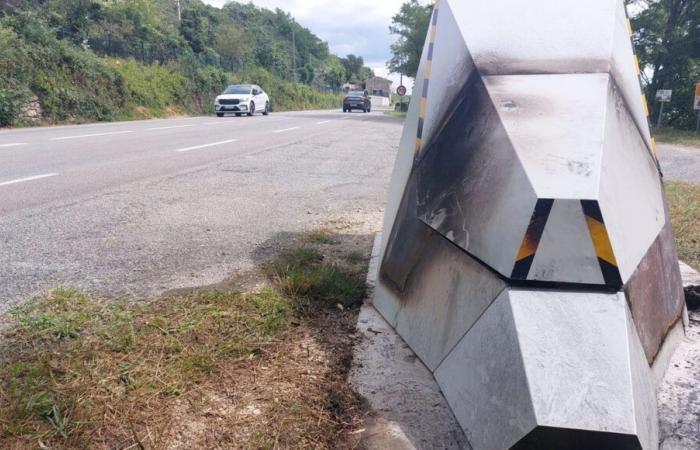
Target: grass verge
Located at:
point(401, 114)
point(684, 204)
point(212, 368)
point(682, 137)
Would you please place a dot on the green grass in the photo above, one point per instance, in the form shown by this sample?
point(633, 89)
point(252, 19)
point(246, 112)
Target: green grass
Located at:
point(72, 366)
point(684, 204)
point(319, 236)
point(301, 274)
point(682, 137)
point(80, 373)
point(395, 113)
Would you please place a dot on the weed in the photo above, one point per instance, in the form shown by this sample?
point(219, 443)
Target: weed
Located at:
point(80, 373)
point(684, 205)
point(319, 236)
point(301, 274)
point(682, 137)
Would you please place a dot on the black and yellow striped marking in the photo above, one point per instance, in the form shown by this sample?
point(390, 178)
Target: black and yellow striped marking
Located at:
point(601, 243)
point(531, 240)
point(641, 86)
point(427, 71)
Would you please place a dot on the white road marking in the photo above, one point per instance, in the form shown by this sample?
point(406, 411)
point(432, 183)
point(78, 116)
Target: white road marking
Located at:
point(196, 147)
point(90, 135)
point(11, 145)
point(22, 180)
point(169, 128)
point(286, 129)
point(322, 122)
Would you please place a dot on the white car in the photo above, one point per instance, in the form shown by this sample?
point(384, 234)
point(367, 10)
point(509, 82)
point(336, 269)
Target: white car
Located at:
point(242, 99)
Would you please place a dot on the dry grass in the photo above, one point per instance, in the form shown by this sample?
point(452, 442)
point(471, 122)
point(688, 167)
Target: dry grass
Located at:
point(209, 369)
point(682, 137)
point(684, 204)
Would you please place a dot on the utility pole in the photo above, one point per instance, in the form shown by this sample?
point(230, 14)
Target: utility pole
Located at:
point(401, 97)
point(294, 58)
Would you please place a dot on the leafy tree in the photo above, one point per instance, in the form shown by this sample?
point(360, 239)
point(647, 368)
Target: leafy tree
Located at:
point(411, 25)
point(667, 39)
point(355, 68)
point(353, 64)
point(232, 45)
point(335, 73)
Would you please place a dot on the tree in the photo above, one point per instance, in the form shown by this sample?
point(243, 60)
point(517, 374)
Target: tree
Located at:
point(411, 25)
point(232, 45)
point(353, 64)
point(667, 39)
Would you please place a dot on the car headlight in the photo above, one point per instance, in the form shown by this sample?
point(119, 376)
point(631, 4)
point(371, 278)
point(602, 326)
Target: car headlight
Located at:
point(216, 101)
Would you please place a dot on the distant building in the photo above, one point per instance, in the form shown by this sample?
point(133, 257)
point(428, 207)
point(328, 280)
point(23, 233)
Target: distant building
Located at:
point(378, 86)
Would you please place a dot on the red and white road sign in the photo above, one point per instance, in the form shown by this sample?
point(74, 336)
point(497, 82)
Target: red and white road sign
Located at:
point(401, 90)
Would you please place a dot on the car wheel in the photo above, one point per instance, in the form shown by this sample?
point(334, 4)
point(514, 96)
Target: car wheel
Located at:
point(267, 109)
point(239, 114)
point(251, 110)
point(219, 114)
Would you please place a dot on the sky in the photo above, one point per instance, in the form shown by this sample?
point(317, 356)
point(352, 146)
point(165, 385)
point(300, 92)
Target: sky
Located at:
point(360, 27)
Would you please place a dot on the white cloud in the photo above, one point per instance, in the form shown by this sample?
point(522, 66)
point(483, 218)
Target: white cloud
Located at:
point(360, 27)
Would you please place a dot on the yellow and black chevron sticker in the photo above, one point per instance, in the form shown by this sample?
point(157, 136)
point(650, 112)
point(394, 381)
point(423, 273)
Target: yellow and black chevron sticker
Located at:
point(531, 240)
point(645, 104)
point(601, 243)
point(427, 71)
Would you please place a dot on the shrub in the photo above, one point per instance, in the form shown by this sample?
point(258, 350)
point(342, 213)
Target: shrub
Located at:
point(11, 101)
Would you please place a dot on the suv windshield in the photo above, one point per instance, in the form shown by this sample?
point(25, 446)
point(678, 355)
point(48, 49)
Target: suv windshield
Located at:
point(356, 94)
point(238, 90)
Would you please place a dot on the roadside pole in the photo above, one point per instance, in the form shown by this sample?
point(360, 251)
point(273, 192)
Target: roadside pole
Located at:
point(401, 96)
point(662, 96)
point(696, 107)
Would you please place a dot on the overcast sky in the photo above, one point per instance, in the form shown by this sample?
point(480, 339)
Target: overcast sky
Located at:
point(360, 27)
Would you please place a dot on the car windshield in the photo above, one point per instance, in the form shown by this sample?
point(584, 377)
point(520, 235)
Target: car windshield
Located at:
point(238, 90)
point(356, 94)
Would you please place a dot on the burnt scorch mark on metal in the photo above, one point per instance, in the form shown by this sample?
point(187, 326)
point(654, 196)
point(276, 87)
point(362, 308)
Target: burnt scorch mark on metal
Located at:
point(495, 64)
point(406, 242)
point(601, 243)
point(531, 240)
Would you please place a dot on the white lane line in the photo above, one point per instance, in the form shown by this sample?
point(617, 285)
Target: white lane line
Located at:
point(22, 180)
point(322, 122)
point(81, 136)
point(286, 129)
point(11, 145)
point(169, 128)
point(213, 144)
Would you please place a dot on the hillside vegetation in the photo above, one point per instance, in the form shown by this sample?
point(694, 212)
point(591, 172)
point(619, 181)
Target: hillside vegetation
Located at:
point(88, 60)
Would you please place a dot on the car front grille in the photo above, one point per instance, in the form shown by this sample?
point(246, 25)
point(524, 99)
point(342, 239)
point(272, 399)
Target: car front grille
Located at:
point(224, 101)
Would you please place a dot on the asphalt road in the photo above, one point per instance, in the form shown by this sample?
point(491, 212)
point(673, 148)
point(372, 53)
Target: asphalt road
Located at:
point(680, 163)
point(137, 208)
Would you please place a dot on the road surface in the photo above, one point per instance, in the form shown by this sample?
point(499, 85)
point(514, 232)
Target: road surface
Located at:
point(137, 208)
point(680, 163)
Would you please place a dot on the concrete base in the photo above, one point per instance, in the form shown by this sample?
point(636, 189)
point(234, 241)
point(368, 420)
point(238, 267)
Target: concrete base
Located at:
point(411, 412)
